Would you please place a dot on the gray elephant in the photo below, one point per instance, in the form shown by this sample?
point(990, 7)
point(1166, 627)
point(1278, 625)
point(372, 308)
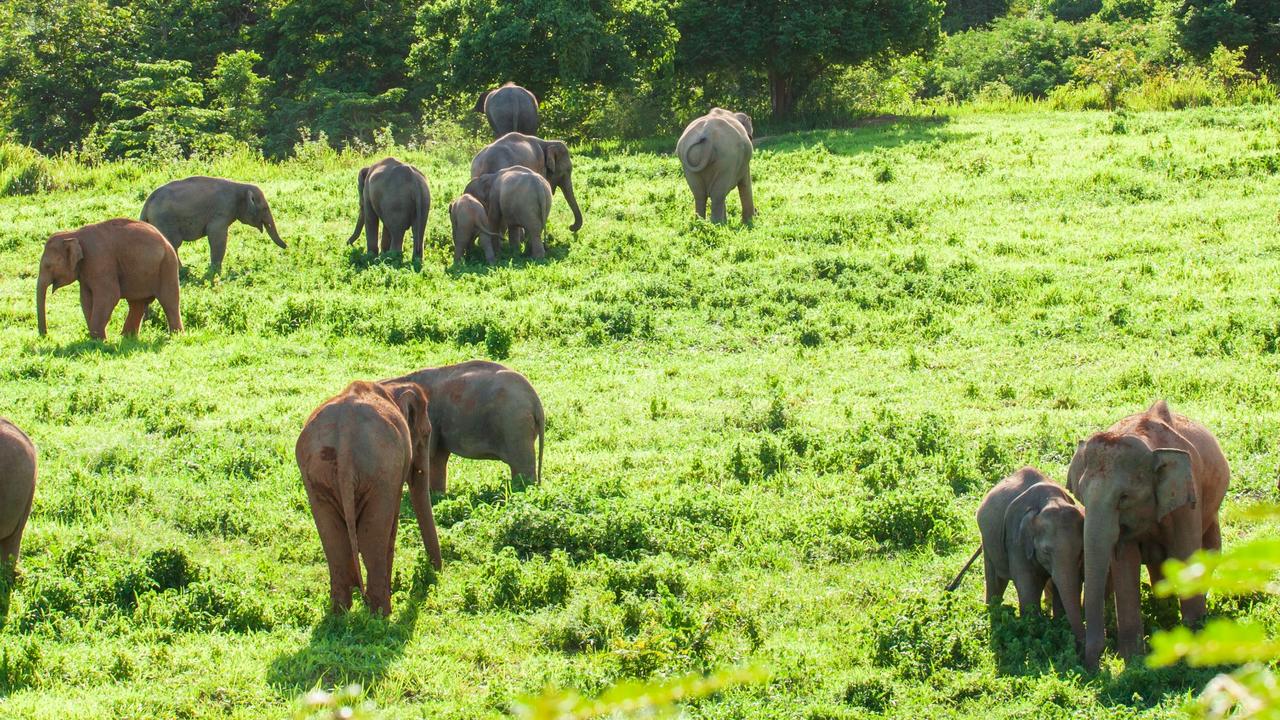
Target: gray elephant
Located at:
point(357, 452)
point(1151, 485)
point(509, 108)
point(396, 194)
point(1032, 534)
point(469, 221)
point(17, 488)
point(516, 199)
point(483, 411)
point(715, 152)
point(548, 158)
point(199, 206)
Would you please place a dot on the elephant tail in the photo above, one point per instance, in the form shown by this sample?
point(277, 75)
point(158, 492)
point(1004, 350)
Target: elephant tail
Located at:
point(955, 583)
point(346, 481)
point(542, 437)
point(360, 221)
point(422, 206)
point(698, 154)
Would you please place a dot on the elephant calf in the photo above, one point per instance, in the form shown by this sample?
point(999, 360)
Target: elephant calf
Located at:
point(195, 207)
point(1033, 534)
point(356, 453)
point(483, 411)
point(112, 260)
point(17, 488)
point(467, 217)
point(715, 153)
point(516, 199)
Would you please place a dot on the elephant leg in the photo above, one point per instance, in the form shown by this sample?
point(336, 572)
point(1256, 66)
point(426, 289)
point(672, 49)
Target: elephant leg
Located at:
point(1213, 537)
point(11, 547)
point(380, 516)
point(717, 208)
point(1030, 587)
point(420, 497)
point(1125, 570)
point(524, 465)
point(419, 237)
point(86, 304)
point(393, 240)
point(699, 190)
point(1054, 598)
point(437, 480)
point(536, 249)
point(748, 205)
point(370, 230)
point(104, 303)
point(515, 234)
point(217, 247)
point(490, 245)
point(337, 551)
point(995, 584)
point(168, 297)
point(133, 320)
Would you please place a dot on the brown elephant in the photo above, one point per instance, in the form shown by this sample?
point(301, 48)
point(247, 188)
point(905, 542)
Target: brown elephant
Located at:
point(518, 200)
point(548, 158)
point(397, 195)
point(356, 453)
point(468, 220)
point(17, 488)
point(715, 153)
point(1151, 487)
point(114, 259)
point(1032, 534)
point(483, 411)
point(509, 108)
point(199, 206)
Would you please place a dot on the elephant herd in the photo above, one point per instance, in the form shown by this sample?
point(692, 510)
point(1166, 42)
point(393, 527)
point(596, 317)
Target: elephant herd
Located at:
point(1148, 489)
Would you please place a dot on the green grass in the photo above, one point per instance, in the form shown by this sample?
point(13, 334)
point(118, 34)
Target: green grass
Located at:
point(764, 444)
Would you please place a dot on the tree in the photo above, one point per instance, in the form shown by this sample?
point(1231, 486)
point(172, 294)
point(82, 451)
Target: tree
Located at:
point(159, 111)
point(793, 41)
point(237, 92)
point(1253, 24)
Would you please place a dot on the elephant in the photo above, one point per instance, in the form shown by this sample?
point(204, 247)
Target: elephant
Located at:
point(1151, 486)
point(548, 158)
point(356, 452)
point(17, 488)
point(199, 206)
point(396, 194)
point(115, 259)
point(715, 152)
point(483, 411)
point(1033, 534)
point(468, 219)
point(517, 199)
point(509, 108)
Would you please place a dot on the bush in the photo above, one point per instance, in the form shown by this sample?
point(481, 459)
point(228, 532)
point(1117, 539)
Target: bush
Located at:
point(23, 171)
point(921, 636)
point(1030, 55)
point(910, 517)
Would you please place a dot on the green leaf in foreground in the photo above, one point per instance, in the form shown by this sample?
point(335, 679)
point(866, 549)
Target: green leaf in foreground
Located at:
point(1250, 567)
point(632, 697)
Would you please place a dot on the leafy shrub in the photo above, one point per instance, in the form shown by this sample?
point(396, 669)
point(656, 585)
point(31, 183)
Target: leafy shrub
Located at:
point(921, 636)
point(23, 171)
point(588, 623)
point(907, 517)
point(509, 584)
point(874, 694)
point(1029, 54)
point(617, 531)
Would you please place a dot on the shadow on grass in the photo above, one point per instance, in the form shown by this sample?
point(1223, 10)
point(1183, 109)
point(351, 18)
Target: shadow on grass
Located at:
point(509, 256)
point(360, 260)
point(356, 647)
point(119, 348)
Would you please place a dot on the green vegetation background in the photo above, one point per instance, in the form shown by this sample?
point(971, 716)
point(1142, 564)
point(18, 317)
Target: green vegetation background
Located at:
point(764, 445)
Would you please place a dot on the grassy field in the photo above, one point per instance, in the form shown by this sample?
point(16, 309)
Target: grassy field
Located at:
point(764, 445)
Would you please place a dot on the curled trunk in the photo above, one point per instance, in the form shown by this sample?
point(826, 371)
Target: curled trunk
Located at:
point(567, 187)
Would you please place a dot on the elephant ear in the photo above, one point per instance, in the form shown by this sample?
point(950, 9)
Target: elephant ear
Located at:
point(480, 101)
point(745, 119)
point(75, 253)
point(1174, 484)
point(555, 153)
point(1076, 470)
point(1026, 533)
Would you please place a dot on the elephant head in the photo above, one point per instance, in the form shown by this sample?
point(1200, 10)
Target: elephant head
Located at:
point(1127, 488)
point(481, 99)
point(555, 155)
point(412, 402)
point(1051, 534)
point(59, 266)
point(745, 119)
point(252, 209)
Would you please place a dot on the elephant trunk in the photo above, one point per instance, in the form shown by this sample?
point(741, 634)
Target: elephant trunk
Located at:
point(567, 186)
point(1101, 530)
point(42, 287)
point(271, 231)
point(1066, 580)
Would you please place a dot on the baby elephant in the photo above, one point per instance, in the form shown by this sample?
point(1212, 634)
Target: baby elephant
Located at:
point(17, 488)
point(195, 207)
point(483, 411)
point(517, 199)
point(112, 260)
point(715, 152)
point(356, 453)
point(1033, 533)
point(467, 216)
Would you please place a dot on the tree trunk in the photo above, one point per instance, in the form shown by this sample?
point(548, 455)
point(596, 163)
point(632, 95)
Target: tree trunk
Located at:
point(781, 94)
